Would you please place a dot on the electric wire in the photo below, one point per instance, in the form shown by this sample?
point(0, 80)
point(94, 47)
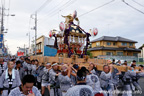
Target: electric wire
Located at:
point(43, 5)
point(138, 3)
point(96, 8)
point(52, 9)
point(55, 11)
point(132, 7)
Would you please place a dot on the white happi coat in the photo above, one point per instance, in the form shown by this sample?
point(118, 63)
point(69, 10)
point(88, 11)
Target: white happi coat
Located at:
point(17, 92)
point(4, 81)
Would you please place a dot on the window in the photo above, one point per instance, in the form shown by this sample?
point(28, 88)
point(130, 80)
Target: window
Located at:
point(98, 44)
point(108, 43)
point(114, 44)
point(130, 44)
point(124, 44)
point(109, 53)
point(120, 53)
point(135, 54)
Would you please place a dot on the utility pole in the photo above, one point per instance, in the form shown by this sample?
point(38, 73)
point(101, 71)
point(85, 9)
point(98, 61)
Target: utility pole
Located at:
point(2, 26)
point(35, 28)
point(29, 52)
point(35, 32)
point(24, 50)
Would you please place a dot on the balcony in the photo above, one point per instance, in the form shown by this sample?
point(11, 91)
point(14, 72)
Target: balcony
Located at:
point(122, 46)
point(132, 46)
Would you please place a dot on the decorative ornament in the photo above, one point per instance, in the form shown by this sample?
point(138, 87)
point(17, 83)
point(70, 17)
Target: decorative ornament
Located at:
point(50, 33)
point(95, 31)
point(62, 26)
point(73, 39)
point(75, 14)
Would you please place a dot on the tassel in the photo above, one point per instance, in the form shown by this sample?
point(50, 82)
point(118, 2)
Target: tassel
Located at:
point(73, 39)
point(82, 40)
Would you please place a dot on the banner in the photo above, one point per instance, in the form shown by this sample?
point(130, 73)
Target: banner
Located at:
point(20, 53)
point(1, 45)
point(1, 37)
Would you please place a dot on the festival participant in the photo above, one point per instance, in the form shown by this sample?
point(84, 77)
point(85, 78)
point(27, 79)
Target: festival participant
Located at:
point(74, 70)
point(81, 89)
point(128, 80)
point(14, 61)
point(133, 62)
point(53, 77)
point(118, 63)
point(33, 66)
point(114, 79)
point(64, 79)
point(20, 69)
point(9, 79)
point(93, 81)
point(45, 78)
point(113, 61)
point(2, 66)
point(92, 69)
point(25, 65)
point(27, 88)
point(40, 73)
point(141, 68)
point(125, 63)
point(105, 79)
point(28, 67)
point(139, 74)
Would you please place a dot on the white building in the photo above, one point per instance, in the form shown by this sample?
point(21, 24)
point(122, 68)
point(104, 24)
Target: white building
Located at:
point(142, 51)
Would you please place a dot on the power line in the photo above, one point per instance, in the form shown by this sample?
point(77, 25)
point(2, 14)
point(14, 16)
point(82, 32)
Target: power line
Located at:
point(53, 13)
point(96, 8)
point(132, 7)
point(52, 9)
point(138, 3)
point(43, 5)
point(70, 3)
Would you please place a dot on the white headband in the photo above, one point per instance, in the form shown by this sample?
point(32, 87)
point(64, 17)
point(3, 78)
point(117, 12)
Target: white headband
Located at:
point(54, 64)
point(48, 64)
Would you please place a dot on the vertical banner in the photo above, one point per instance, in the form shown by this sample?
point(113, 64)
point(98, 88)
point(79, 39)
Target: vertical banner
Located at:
point(0, 45)
point(1, 37)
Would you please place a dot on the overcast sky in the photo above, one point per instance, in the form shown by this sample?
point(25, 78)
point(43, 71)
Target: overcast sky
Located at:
point(114, 19)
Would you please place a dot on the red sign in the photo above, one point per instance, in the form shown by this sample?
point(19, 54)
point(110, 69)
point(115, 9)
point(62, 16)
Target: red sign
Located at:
point(20, 53)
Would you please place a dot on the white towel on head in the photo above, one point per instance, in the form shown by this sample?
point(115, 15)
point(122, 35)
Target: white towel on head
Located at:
point(13, 74)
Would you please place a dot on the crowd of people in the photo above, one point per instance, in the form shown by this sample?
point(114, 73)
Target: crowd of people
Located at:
point(25, 77)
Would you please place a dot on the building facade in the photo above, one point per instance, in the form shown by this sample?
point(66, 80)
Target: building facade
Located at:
point(113, 46)
point(44, 46)
point(142, 51)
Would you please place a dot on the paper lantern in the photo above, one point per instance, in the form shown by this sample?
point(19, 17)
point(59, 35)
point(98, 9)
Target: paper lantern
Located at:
point(95, 31)
point(50, 33)
point(62, 26)
point(75, 14)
